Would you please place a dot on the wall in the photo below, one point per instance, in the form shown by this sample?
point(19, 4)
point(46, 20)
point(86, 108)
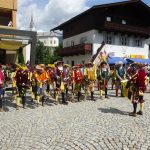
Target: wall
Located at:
point(78, 59)
point(97, 38)
point(77, 38)
point(27, 52)
point(119, 50)
point(9, 4)
point(47, 41)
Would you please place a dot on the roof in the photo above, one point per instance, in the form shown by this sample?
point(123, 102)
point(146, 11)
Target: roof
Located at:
point(101, 6)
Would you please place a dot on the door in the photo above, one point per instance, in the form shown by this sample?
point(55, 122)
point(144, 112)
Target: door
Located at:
point(2, 56)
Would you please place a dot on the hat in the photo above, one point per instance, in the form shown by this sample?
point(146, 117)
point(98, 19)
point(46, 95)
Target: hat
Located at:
point(59, 62)
point(103, 62)
point(66, 65)
point(38, 67)
point(51, 65)
point(42, 65)
point(89, 64)
point(75, 67)
point(119, 63)
point(24, 68)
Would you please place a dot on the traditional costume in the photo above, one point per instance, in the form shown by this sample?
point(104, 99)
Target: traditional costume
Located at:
point(77, 79)
point(138, 90)
point(2, 78)
point(59, 76)
point(120, 75)
point(50, 80)
point(103, 76)
point(40, 80)
point(66, 78)
point(90, 78)
point(22, 83)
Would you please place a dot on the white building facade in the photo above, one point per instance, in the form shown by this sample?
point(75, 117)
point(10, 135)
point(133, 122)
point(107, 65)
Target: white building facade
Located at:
point(116, 45)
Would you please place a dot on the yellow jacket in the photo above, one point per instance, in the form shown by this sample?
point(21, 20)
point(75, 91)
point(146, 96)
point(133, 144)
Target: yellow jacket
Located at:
point(90, 73)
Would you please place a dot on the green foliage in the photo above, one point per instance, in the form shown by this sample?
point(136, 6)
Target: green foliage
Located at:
point(43, 55)
point(21, 57)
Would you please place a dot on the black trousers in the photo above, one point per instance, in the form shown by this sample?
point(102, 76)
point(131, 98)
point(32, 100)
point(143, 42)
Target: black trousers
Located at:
point(1, 103)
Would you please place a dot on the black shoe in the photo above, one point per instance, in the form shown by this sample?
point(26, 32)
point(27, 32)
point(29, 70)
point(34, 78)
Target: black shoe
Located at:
point(132, 114)
point(101, 97)
point(140, 113)
point(65, 103)
point(107, 97)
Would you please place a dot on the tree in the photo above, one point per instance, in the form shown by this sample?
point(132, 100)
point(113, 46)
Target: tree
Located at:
point(20, 56)
point(40, 53)
point(56, 56)
point(43, 55)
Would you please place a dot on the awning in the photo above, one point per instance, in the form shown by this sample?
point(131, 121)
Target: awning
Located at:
point(11, 45)
point(114, 60)
point(143, 61)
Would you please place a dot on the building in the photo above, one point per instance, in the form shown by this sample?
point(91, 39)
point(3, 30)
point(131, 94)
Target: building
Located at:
point(49, 39)
point(8, 9)
point(12, 40)
point(123, 26)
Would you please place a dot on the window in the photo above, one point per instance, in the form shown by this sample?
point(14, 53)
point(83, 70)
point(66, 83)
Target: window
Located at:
point(124, 41)
point(109, 39)
point(54, 42)
point(44, 41)
point(67, 61)
point(108, 19)
point(83, 40)
point(138, 42)
point(67, 44)
point(72, 43)
point(124, 22)
point(72, 63)
point(51, 42)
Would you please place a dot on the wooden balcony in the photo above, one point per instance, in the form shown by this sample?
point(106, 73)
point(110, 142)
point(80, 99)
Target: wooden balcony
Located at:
point(124, 28)
point(76, 50)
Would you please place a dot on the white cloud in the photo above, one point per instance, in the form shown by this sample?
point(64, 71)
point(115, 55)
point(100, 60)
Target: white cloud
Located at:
point(51, 15)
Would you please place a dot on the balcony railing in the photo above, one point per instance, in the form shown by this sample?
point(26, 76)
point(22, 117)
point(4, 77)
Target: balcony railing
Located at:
point(126, 28)
point(76, 50)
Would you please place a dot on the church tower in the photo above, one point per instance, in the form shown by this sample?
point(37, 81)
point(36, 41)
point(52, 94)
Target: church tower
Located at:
point(32, 25)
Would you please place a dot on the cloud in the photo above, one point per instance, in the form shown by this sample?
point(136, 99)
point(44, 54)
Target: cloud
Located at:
point(50, 15)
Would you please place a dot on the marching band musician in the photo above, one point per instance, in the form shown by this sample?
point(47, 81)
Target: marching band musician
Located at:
point(77, 78)
point(66, 79)
point(103, 76)
point(138, 90)
point(120, 75)
point(59, 75)
point(50, 80)
point(113, 76)
point(90, 77)
point(22, 83)
point(2, 78)
point(40, 79)
point(14, 86)
point(141, 84)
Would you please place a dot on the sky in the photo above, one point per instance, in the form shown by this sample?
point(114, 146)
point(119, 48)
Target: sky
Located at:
point(48, 14)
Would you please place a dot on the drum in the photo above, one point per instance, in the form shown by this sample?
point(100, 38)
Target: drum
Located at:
point(123, 87)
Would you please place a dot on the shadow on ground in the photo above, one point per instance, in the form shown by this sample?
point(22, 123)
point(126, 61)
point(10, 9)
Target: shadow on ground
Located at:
point(113, 111)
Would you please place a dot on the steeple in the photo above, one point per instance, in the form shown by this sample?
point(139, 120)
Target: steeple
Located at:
point(32, 25)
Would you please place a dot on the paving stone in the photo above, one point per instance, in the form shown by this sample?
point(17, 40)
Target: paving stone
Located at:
point(86, 125)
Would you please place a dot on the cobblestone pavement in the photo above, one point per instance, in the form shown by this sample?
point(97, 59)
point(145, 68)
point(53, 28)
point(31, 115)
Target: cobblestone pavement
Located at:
point(87, 125)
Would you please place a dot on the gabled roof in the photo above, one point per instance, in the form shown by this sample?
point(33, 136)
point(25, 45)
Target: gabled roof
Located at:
point(102, 6)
